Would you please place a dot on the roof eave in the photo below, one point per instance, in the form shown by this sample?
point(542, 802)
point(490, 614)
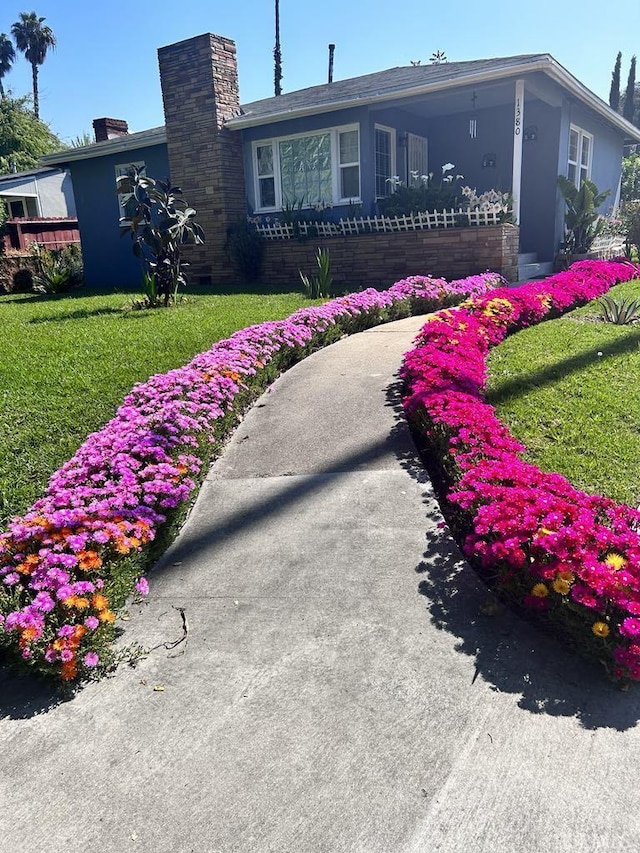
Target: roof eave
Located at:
point(562, 76)
point(143, 139)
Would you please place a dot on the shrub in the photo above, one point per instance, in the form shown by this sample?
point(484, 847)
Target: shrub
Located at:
point(161, 223)
point(22, 281)
point(59, 270)
point(245, 247)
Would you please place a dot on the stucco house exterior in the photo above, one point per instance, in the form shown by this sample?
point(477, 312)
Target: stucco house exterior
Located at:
point(511, 123)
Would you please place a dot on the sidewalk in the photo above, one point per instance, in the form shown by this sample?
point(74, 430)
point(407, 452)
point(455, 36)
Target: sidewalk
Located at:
point(339, 690)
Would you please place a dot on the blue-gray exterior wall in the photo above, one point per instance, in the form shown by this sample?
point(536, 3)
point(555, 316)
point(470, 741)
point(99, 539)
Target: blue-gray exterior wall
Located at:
point(606, 164)
point(108, 257)
point(449, 142)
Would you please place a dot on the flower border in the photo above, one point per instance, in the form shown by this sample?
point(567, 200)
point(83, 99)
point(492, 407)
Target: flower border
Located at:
point(70, 563)
point(570, 558)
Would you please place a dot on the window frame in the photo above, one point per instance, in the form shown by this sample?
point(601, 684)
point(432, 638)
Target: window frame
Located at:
point(391, 131)
point(336, 166)
point(120, 170)
point(577, 164)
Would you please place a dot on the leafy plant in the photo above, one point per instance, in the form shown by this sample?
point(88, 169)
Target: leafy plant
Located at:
point(59, 270)
point(622, 312)
point(630, 188)
point(160, 225)
point(245, 247)
point(583, 223)
point(423, 193)
point(318, 286)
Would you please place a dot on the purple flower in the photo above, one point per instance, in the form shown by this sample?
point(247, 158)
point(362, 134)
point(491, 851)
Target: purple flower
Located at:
point(142, 586)
point(92, 622)
point(91, 659)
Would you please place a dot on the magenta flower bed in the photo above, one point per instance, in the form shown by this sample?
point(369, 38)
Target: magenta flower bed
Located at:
point(71, 561)
point(567, 557)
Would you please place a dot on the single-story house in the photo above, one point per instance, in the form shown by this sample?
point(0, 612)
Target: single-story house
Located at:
point(41, 192)
point(40, 206)
point(512, 124)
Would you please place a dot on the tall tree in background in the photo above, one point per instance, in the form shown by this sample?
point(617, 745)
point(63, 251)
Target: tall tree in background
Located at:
point(277, 55)
point(7, 55)
point(629, 104)
point(23, 137)
point(34, 40)
point(614, 92)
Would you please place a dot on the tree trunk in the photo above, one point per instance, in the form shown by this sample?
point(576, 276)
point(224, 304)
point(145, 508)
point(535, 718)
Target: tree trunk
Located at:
point(36, 105)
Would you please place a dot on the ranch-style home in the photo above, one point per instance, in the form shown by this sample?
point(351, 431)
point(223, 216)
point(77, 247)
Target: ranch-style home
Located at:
point(512, 124)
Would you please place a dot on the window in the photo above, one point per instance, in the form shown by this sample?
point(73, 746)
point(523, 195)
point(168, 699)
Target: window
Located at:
point(580, 154)
point(313, 168)
point(127, 203)
point(417, 159)
point(17, 209)
point(385, 151)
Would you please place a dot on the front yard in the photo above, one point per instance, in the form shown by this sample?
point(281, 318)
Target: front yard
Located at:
point(67, 362)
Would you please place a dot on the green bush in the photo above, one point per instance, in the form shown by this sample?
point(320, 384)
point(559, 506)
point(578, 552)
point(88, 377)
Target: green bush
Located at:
point(59, 270)
point(245, 248)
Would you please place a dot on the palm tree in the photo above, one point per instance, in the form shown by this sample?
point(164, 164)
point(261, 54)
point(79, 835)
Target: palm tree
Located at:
point(34, 41)
point(7, 55)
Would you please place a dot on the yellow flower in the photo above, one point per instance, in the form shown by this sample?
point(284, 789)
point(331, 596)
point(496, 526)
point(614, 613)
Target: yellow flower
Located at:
point(562, 586)
point(600, 629)
point(566, 575)
point(616, 561)
point(540, 591)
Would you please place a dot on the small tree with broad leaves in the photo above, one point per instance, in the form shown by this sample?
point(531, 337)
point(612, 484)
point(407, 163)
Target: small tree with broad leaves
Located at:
point(160, 223)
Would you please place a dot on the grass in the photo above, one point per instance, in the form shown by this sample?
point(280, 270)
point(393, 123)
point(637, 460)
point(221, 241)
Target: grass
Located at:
point(66, 363)
point(568, 389)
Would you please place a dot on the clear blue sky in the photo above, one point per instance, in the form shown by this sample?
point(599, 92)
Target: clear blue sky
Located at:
point(106, 63)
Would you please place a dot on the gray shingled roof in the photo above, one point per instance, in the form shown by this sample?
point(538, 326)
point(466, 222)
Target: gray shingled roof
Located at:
point(389, 82)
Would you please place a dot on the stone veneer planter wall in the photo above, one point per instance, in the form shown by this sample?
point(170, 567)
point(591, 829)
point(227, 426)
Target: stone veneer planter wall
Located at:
point(377, 259)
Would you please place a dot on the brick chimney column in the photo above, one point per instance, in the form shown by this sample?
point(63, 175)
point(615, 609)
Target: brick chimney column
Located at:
point(199, 80)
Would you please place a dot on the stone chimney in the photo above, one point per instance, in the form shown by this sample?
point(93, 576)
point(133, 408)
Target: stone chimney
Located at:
point(109, 128)
point(199, 80)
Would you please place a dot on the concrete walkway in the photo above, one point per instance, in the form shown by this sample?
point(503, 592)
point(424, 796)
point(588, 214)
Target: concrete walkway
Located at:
point(340, 688)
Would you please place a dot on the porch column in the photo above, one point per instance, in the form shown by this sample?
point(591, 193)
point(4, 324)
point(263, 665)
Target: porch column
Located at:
point(516, 179)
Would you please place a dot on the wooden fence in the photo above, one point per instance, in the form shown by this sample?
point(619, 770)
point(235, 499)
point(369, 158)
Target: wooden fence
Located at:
point(50, 233)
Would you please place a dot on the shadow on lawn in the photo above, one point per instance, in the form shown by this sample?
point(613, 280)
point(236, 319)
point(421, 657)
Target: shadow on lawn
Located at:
point(523, 383)
point(81, 314)
point(510, 654)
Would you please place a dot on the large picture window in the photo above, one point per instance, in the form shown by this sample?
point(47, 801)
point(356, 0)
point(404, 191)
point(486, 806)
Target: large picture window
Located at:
point(308, 169)
point(580, 155)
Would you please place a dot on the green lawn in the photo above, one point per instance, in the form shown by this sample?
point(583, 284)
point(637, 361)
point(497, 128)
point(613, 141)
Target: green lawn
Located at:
point(66, 363)
point(569, 390)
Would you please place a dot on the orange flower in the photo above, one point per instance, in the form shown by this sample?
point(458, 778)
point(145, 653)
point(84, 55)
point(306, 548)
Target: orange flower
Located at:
point(135, 542)
point(88, 560)
point(28, 634)
point(81, 603)
point(99, 601)
point(600, 629)
point(122, 547)
point(79, 631)
point(68, 670)
point(107, 616)
point(59, 644)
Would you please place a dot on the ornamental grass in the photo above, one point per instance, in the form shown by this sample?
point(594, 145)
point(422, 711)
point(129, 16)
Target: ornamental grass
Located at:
point(68, 565)
point(567, 558)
